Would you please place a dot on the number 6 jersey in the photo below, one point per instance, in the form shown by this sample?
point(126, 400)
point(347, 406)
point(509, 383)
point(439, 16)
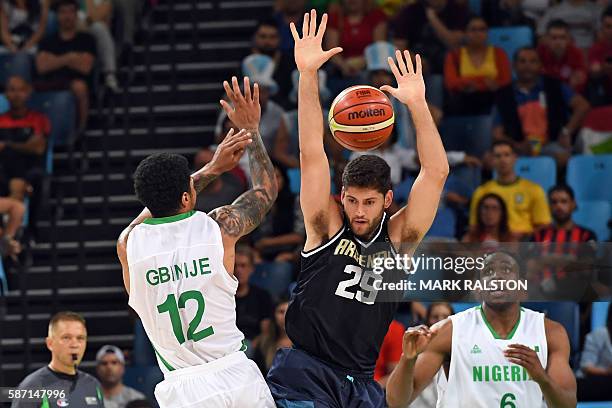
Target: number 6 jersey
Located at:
point(337, 311)
point(180, 289)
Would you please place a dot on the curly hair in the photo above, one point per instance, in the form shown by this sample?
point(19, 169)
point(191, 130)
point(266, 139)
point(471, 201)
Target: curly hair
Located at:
point(368, 171)
point(160, 181)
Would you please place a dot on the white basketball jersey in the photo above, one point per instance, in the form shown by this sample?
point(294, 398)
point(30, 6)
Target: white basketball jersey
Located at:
point(180, 289)
point(480, 376)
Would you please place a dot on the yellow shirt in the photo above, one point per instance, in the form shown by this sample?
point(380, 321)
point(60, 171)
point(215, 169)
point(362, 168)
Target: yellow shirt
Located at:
point(488, 68)
point(525, 200)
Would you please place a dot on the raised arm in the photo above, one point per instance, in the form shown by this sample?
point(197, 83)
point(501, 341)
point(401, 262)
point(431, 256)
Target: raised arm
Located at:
point(248, 210)
point(320, 214)
point(410, 224)
point(226, 157)
point(423, 352)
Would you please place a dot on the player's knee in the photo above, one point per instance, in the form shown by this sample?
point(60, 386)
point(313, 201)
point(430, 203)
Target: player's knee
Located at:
point(18, 188)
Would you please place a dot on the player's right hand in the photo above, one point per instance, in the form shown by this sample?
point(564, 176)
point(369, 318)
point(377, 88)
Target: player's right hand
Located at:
point(309, 55)
point(415, 341)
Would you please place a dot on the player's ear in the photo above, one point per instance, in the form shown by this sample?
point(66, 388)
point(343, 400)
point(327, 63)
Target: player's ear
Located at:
point(49, 343)
point(388, 199)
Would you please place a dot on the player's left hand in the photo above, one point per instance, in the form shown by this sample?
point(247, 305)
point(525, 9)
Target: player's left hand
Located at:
point(246, 111)
point(230, 150)
point(410, 83)
point(527, 358)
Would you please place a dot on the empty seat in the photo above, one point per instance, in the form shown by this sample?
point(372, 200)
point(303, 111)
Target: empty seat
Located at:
point(443, 225)
point(510, 39)
point(590, 176)
point(541, 170)
point(594, 215)
point(274, 277)
point(599, 314)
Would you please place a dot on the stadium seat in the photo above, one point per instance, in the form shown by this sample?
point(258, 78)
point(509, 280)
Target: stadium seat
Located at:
point(541, 170)
point(4, 104)
point(590, 175)
point(143, 379)
point(3, 282)
point(475, 6)
point(599, 314)
point(566, 313)
point(402, 190)
point(60, 108)
point(510, 39)
point(443, 224)
point(143, 354)
point(275, 277)
point(294, 180)
point(435, 89)
point(594, 215)
point(461, 306)
point(471, 134)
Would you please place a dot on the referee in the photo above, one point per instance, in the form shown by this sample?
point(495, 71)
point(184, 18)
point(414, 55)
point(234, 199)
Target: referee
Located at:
point(66, 340)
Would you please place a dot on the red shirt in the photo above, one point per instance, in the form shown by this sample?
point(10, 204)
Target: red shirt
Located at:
point(599, 51)
point(19, 130)
point(562, 69)
point(355, 37)
point(391, 349)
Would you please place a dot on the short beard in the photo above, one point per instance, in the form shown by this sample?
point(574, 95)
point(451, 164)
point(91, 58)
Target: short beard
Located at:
point(370, 233)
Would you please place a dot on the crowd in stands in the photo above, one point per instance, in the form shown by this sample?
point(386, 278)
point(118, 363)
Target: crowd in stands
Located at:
point(534, 100)
point(50, 46)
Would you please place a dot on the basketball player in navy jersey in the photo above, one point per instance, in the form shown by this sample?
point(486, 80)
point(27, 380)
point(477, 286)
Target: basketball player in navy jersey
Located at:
point(337, 319)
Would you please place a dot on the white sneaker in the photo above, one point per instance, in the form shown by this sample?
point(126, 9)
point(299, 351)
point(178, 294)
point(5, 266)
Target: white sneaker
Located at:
point(112, 83)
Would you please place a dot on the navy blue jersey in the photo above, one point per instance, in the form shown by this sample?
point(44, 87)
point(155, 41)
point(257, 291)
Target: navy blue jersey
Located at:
point(336, 312)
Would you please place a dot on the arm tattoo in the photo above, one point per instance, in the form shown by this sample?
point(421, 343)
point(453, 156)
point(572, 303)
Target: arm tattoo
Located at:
point(201, 180)
point(248, 210)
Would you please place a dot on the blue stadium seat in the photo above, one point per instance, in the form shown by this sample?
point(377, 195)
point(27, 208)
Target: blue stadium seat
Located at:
point(294, 180)
point(594, 215)
point(4, 104)
point(3, 282)
point(5, 64)
point(60, 108)
point(402, 190)
point(144, 379)
point(443, 224)
point(143, 354)
point(599, 314)
point(590, 176)
point(472, 134)
point(435, 89)
point(461, 306)
point(475, 6)
point(510, 39)
point(541, 170)
point(566, 313)
point(275, 277)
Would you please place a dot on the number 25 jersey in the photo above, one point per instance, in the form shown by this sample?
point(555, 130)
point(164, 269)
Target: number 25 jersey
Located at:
point(181, 290)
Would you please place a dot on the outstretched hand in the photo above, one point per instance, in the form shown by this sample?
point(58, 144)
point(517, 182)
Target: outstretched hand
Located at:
point(246, 111)
point(230, 150)
point(410, 83)
point(416, 340)
point(309, 54)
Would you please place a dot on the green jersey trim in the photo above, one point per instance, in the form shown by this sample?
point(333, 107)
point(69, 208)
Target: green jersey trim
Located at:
point(166, 364)
point(166, 220)
point(244, 346)
point(100, 397)
point(492, 330)
point(45, 403)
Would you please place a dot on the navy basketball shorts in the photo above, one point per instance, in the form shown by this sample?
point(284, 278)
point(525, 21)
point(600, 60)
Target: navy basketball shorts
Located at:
point(299, 380)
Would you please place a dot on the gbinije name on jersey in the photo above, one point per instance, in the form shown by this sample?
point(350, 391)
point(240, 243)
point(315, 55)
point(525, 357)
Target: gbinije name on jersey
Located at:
point(174, 273)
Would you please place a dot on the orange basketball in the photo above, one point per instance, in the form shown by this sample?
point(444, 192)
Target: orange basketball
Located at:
point(361, 118)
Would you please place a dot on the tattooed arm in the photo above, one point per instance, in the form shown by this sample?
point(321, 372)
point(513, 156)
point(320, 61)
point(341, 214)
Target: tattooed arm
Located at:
point(248, 210)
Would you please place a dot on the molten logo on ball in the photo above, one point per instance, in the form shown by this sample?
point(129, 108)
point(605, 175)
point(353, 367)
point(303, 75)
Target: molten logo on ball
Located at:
point(363, 93)
point(367, 113)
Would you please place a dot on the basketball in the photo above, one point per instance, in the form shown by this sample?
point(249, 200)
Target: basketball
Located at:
point(361, 118)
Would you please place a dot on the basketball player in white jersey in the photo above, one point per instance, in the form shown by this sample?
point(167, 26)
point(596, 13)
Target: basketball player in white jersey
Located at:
point(502, 355)
point(178, 267)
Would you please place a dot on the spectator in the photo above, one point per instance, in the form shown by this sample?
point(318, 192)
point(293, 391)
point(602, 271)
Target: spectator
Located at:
point(66, 340)
point(353, 26)
point(555, 239)
point(65, 60)
point(22, 26)
point(110, 369)
point(96, 17)
point(534, 111)
point(474, 72)
point(273, 126)
point(430, 28)
point(602, 49)
point(524, 199)
point(225, 188)
point(492, 222)
point(289, 11)
point(596, 358)
point(582, 16)
point(273, 338)
point(253, 305)
point(428, 398)
point(561, 59)
point(599, 86)
point(14, 210)
point(23, 142)
point(127, 11)
point(281, 234)
point(266, 41)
